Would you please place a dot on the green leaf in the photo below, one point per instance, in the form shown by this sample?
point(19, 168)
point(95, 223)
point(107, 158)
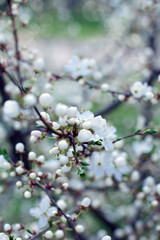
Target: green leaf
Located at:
point(99, 143)
point(5, 154)
point(77, 153)
point(118, 139)
point(84, 163)
point(82, 172)
point(28, 230)
point(150, 131)
point(11, 237)
point(138, 131)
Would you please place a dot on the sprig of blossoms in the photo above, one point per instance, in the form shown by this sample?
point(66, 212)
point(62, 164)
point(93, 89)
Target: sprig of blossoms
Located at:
point(142, 90)
point(78, 67)
point(75, 131)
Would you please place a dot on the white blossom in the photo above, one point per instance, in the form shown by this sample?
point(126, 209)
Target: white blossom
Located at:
point(84, 135)
point(19, 147)
point(80, 67)
point(86, 202)
point(3, 236)
point(59, 234)
point(30, 100)
point(43, 212)
point(61, 109)
point(45, 99)
point(11, 109)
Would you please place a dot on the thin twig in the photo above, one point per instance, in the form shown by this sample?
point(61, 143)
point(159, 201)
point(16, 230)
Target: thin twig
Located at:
point(39, 233)
point(16, 41)
point(70, 222)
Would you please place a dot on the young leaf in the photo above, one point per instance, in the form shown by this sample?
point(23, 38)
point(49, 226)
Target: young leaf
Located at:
point(84, 163)
point(82, 172)
point(5, 154)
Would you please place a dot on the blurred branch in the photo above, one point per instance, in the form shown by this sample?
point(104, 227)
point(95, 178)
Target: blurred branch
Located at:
point(109, 108)
point(16, 41)
point(70, 222)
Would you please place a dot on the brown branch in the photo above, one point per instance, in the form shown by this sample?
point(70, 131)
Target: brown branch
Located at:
point(112, 106)
point(39, 233)
point(70, 222)
point(16, 42)
point(138, 133)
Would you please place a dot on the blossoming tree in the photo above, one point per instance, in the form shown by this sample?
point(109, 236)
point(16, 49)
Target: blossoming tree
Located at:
point(69, 162)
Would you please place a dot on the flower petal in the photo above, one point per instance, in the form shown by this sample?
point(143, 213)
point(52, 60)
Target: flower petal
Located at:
point(35, 212)
point(43, 221)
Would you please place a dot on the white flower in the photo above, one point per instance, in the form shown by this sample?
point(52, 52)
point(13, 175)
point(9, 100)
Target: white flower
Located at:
point(107, 237)
point(72, 111)
point(139, 90)
point(46, 118)
point(104, 87)
point(32, 175)
point(56, 125)
point(62, 204)
point(3, 39)
point(103, 132)
point(66, 168)
point(86, 202)
point(97, 75)
point(45, 99)
point(30, 100)
point(87, 125)
point(84, 135)
point(61, 109)
point(85, 116)
point(59, 234)
point(80, 67)
point(27, 194)
point(4, 162)
point(54, 151)
point(38, 64)
point(11, 109)
point(62, 145)
point(48, 234)
point(145, 146)
point(3, 236)
point(63, 121)
point(43, 212)
point(63, 159)
point(19, 147)
point(101, 164)
point(7, 227)
point(32, 155)
point(35, 136)
point(79, 228)
point(19, 170)
point(158, 188)
point(19, 184)
point(149, 95)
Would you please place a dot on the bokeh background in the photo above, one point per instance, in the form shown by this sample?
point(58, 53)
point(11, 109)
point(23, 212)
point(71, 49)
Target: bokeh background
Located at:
point(121, 35)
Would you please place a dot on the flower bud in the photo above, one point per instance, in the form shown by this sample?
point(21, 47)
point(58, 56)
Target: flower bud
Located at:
point(19, 147)
point(61, 109)
point(59, 234)
point(48, 235)
point(86, 202)
point(11, 109)
point(84, 135)
point(45, 100)
point(27, 194)
point(104, 87)
point(62, 145)
point(30, 100)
